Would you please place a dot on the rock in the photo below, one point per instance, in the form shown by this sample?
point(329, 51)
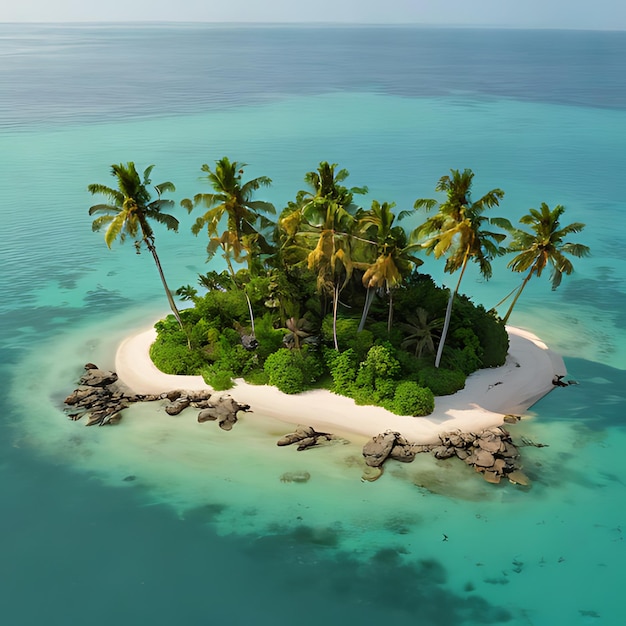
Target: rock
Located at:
point(491, 477)
point(443, 452)
point(402, 453)
point(377, 449)
point(370, 474)
point(490, 443)
point(110, 420)
point(199, 396)
point(456, 441)
point(498, 466)
point(206, 415)
point(178, 405)
point(518, 478)
point(462, 453)
point(224, 410)
point(306, 435)
point(482, 458)
point(295, 477)
point(99, 398)
point(307, 442)
point(172, 395)
point(98, 378)
point(468, 438)
point(226, 422)
point(249, 342)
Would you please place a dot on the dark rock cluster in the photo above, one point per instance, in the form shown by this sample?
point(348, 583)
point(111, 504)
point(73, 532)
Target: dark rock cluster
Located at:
point(305, 437)
point(490, 452)
point(99, 398)
point(224, 411)
point(102, 399)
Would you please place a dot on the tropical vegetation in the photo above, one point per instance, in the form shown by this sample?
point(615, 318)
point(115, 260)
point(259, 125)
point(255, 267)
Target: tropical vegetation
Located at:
point(329, 294)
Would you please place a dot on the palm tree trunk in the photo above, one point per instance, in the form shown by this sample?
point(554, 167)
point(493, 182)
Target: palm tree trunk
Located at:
point(446, 324)
point(168, 293)
point(249, 310)
point(369, 298)
point(493, 308)
point(390, 314)
point(517, 295)
point(231, 269)
point(444, 332)
point(335, 307)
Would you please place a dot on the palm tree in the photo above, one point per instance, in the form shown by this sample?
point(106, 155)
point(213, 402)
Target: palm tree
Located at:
point(544, 246)
point(323, 218)
point(232, 199)
point(458, 231)
point(420, 332)
point(129, 211)
point(393, 257)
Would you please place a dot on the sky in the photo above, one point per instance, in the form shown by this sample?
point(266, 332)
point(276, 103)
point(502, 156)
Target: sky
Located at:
point(577, 14)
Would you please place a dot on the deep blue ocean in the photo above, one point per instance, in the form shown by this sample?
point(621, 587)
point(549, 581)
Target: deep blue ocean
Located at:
point(161, 521)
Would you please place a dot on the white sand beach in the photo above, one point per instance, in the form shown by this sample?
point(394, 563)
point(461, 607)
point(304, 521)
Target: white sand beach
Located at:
point(488, 394)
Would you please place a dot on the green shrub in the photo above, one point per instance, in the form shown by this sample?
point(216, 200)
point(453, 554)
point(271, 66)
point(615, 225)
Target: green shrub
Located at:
point(270, 339)
point(284, 372)
point(172, 357)
point(410, 365)
point(363, 396)
point(313, 365)
point(382, 362)
point(236, 359)
point(385, 388)
point(441, 381)
point(347, 328)
point(381, 334)
point(219, 379)
point(411, 399)
point(343, 368)
point(360, 343)
point(493, 338)
point(257, 377)
point(223, 308)
point(365, 376)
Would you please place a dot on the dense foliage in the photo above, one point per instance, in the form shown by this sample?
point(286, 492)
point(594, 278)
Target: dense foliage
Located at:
point(329, 295)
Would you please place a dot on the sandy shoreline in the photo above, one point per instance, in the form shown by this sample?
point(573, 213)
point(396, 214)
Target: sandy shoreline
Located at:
point(488, 394)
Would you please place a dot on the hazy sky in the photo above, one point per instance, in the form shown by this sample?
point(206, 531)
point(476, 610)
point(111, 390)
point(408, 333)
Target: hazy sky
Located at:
point(586, 14)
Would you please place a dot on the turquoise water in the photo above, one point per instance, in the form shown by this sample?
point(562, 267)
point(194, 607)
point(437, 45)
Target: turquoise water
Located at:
point(206, 531)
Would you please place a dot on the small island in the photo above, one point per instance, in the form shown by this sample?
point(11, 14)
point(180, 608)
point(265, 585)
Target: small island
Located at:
point(322, 318)
point(488, 395)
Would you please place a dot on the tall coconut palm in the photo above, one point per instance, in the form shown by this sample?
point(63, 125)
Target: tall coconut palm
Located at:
point(232, 200)
point(393, 257)
point(544, 246)
point(457, 230)
point(322, 219)
point(130, 211)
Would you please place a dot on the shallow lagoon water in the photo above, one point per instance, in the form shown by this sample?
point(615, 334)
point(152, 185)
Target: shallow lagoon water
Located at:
point(181, 521)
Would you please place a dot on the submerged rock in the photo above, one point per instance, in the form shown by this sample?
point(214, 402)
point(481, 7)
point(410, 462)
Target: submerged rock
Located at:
point(518, 477)
point(370, 474)
point(295, 477)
